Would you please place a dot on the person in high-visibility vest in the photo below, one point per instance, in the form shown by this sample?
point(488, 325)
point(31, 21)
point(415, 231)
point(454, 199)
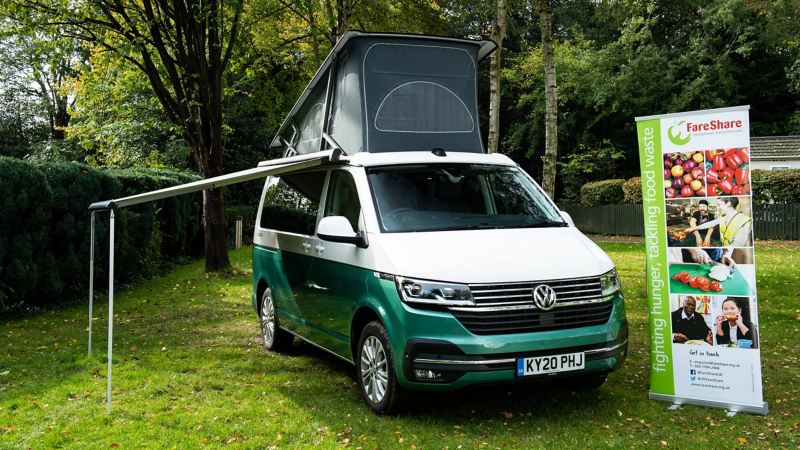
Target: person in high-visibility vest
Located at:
point(735, 227)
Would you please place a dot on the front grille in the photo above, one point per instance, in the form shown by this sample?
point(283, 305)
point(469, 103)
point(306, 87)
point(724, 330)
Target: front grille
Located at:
point(518, 293)
point(579, 303)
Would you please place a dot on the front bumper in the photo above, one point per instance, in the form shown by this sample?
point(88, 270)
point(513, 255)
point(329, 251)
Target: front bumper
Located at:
point(450, 364)
point(436, 343)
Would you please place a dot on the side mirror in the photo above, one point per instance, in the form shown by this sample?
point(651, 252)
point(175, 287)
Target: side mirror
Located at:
point(567, 218)
point(338, 229)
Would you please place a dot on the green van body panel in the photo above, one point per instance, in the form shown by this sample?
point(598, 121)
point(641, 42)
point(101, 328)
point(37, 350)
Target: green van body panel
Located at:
point(351, 288)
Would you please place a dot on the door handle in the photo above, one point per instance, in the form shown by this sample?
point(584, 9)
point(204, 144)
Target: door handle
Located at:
point(306, 246)
point(320, 249)
point(313, 285)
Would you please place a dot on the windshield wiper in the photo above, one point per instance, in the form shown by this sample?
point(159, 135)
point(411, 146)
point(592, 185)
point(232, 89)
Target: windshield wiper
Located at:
point(545, 224)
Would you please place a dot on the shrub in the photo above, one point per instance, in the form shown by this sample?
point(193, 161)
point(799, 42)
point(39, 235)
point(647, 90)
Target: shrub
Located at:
point(776, 186)
point(632, 190)
point(25, 205)
point(44, 233)
point(605, 192)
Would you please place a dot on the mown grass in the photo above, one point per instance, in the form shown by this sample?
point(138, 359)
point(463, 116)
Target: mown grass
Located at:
point(189, 372)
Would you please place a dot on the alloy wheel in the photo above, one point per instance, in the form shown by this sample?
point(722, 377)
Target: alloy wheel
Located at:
point(374, 369)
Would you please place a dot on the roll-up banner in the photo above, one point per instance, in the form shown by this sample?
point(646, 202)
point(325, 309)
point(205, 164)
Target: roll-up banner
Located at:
point(701, 274)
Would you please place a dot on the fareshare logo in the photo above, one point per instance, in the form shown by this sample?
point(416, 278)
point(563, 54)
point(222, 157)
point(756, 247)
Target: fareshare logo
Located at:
point(677, 138)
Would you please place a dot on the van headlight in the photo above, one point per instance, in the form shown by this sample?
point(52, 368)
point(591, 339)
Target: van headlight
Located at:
point(426, 292)
point(609, 283)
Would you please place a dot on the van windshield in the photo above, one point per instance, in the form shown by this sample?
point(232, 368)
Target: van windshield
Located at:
point(458, 197)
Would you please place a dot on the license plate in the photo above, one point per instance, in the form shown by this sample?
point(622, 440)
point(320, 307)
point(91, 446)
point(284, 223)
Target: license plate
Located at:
point(540, 365)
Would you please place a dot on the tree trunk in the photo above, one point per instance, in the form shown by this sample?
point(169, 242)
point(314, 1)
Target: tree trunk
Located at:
point(551, 106)
point(215, 231)
point(498, 34)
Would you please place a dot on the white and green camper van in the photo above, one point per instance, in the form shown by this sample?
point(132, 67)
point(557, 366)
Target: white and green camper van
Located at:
point(403, 248)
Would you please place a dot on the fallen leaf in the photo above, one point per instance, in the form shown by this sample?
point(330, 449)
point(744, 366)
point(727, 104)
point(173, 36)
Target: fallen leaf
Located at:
point(741, 440)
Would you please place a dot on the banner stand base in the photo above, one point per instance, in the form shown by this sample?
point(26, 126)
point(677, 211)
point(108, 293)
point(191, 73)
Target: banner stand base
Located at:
point(729, 407)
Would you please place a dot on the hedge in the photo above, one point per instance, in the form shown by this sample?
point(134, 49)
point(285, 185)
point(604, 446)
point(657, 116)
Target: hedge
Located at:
point(44, 231)
point(769, 186)
point(776, 186)
point(605, 192)
point(632, 190)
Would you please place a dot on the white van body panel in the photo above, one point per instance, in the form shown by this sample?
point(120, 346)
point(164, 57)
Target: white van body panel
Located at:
point(494, 256)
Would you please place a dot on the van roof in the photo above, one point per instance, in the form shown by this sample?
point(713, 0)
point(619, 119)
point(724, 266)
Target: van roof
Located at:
point(392, 158)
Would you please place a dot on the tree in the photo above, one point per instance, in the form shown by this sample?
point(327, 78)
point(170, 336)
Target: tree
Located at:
point(183, 47)
point(551, 101)
point(40, 63)
point(499, 27)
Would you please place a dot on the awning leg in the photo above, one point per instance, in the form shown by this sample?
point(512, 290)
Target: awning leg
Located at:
point(110, 305)
point(91, 280)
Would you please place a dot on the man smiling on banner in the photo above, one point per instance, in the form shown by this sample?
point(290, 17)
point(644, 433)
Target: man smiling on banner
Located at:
point(687, 325)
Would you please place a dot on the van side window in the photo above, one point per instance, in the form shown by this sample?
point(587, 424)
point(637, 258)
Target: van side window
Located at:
point(292, 203)
point(343, 198)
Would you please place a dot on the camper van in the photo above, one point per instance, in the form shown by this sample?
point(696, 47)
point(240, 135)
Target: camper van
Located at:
point(394, 242)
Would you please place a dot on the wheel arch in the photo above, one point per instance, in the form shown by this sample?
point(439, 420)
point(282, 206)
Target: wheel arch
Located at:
point(260, 288)
point(363, 315)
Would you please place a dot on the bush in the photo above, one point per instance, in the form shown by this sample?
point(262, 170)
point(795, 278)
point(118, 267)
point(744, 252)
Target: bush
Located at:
point(44, 234)
point(25, 204)
point(605, 192)
point(776, 186)
point(632, 190)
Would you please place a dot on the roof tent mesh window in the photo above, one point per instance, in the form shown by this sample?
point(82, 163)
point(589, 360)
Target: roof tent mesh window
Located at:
point(419, 96)
point(423, 107)
point(310, 120)
point(346, 117)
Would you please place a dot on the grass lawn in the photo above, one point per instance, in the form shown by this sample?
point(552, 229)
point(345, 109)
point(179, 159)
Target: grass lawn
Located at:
point(189, 372)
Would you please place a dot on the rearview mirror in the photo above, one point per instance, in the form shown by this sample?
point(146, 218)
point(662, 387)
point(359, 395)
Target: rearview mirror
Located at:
point(338, 229)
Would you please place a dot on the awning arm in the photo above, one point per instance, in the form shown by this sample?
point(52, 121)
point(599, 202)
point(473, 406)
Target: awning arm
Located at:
point(264, 169)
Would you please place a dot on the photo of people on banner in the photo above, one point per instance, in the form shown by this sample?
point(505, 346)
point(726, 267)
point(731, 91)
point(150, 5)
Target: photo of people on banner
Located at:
point(708, 320)
point(709, 246)
point(710, 222)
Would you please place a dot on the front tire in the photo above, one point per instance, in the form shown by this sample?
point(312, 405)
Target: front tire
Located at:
point(375, 370)
point(272, 336)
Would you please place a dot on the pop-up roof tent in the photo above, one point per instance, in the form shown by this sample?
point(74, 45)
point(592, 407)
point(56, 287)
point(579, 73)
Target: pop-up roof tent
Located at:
point(389, 93)
point(375, 92)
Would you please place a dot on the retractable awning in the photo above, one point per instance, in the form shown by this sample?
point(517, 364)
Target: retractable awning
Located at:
point(264, 169)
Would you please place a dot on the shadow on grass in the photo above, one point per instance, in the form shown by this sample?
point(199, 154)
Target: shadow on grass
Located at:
point(550, 399)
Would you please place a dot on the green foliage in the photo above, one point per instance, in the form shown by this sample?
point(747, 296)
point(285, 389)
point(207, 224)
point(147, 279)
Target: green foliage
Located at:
point(119, 122)
point(605, 192)
point(44, 237)
point(587, 166)
point(619, 60)
point(25, 203)
point(632, 190)
point(776, 186)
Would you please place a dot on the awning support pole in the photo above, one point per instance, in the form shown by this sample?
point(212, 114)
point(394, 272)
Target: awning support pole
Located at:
point(91, 280)
point(110, 305)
